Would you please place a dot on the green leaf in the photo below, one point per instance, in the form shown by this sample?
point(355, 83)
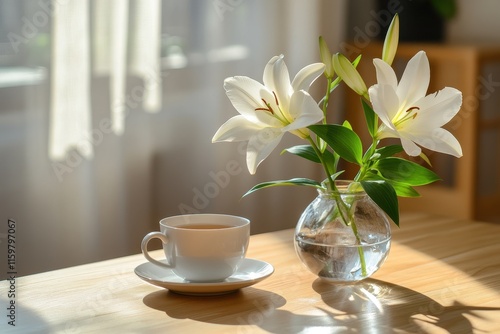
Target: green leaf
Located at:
point(308, 152)
point(389, 151)
point(342, 140)
point(291, 182)
point(371, 118)
point(304, 151)
point(384, 195)
point(404, 171)
point(334, 176)
point(331, 160)
point(403, 190)
point(334, 84)
point(356, 61)
point(346, 124)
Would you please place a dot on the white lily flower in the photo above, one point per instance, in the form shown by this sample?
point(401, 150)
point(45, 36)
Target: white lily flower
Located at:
point(407, 113)
point(269, 110)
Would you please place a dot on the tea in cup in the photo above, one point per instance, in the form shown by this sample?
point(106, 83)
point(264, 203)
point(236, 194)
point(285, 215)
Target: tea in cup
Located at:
point(201, 247)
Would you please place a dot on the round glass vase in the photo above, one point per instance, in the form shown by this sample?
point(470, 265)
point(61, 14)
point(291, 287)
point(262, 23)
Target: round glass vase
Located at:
point(343, 236)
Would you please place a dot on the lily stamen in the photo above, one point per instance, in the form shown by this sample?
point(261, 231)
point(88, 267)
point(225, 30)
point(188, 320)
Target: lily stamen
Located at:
point(268, 109)
point(411, 113)
point(276, 99)
point(280, 116)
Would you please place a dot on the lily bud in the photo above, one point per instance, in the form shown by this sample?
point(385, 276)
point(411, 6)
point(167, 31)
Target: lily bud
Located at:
point(326, 57)
point(391, 41)
point(348, 73)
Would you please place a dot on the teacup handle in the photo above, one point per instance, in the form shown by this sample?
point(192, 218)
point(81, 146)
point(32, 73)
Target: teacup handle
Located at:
point(144, 248)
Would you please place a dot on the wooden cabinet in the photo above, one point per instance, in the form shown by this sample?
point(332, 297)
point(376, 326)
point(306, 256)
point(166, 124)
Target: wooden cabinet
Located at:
point(471, 184)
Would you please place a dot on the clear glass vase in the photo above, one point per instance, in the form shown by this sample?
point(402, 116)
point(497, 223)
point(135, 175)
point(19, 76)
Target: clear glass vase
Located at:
point(343, 236)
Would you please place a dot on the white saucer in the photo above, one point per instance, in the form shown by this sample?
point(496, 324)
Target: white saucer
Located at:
point(248, 273)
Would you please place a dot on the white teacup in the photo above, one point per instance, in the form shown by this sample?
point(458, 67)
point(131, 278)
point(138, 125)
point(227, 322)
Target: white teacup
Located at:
point(201, 247)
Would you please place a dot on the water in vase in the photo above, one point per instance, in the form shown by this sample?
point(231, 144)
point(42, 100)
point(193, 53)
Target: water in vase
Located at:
point(341, 262)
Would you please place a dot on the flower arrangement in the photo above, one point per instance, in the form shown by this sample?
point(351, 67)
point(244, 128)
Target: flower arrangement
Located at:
point(392, 109)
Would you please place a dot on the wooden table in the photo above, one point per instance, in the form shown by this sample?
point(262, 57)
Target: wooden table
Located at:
point(442, 276)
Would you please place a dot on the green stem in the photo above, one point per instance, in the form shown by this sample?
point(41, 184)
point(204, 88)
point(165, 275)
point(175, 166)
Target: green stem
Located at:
point(360, 249)
point(349, 220)
point(365, 167)
point(323, 163)
point(341, 205)
point(326, 99)
point(360, 176)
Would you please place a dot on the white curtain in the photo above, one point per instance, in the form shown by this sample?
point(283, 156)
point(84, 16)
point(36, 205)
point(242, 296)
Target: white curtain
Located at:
point(70, 100)
point(147, 165)
point(125, 40)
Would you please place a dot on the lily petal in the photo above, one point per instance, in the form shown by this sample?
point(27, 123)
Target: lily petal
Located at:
point(407, 113)
point(385, 103)
point(385, 131)
point(260, 146)
point(438, 109)
point(415, 79)
point(237, 128)
point(410, 147)
point(306, 76)
point(385, 73)
point(440, 140)
point(277, 79)
point(305, 110)
point(268, 111)
point(244, 94)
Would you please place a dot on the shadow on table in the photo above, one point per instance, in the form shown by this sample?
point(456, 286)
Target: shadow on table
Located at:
point(369, 306)
point(20, 319)
point(247, 306)
point(243, 307)
point(379, 307)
